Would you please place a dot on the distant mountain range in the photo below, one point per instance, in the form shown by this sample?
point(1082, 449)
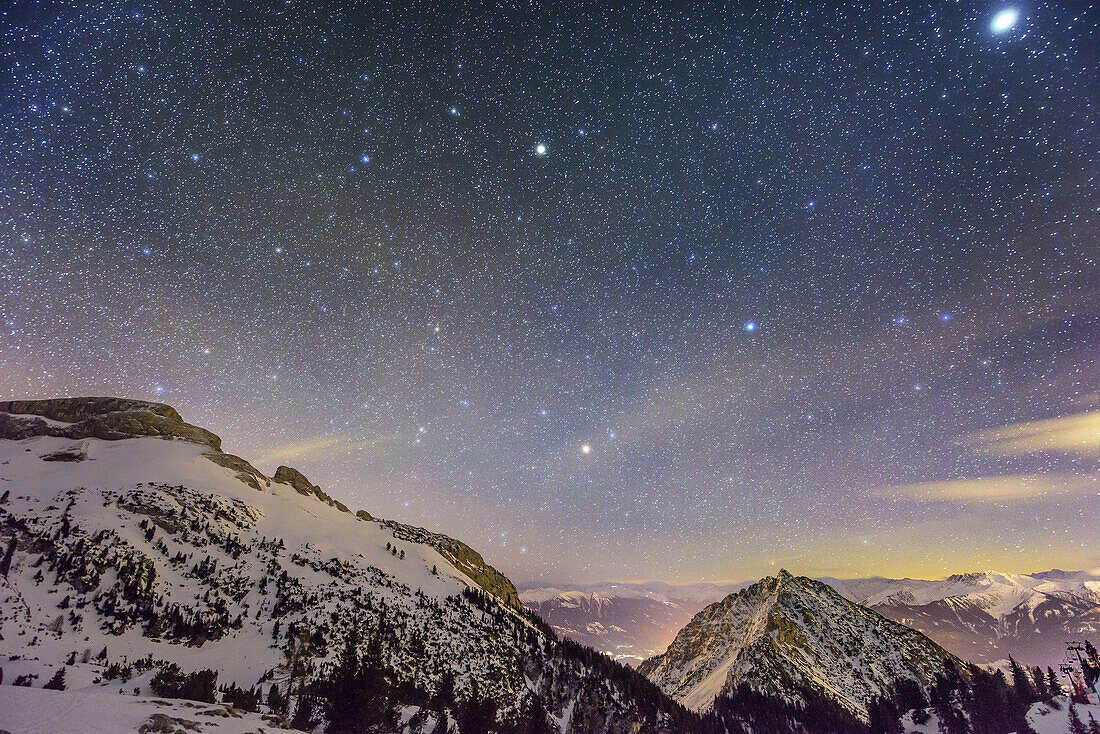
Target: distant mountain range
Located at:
point(629, 622)
point(985, 617)
point(980, 617)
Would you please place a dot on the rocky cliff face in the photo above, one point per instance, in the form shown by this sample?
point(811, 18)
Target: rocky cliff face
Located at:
point(786, 636)
point(110, 419)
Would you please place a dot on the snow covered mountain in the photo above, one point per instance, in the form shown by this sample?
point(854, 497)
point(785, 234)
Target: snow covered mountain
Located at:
point(985, 617)
point(134, 552)
point(627, 621)
point(796, 639)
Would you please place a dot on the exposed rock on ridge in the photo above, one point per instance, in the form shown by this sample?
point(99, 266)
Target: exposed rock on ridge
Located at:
point(110, 419)
point(464, 558)
point(301, 485)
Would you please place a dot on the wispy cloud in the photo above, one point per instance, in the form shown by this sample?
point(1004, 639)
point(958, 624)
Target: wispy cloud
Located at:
point(325, 446)
point(1070, 434)
point(1008, 487)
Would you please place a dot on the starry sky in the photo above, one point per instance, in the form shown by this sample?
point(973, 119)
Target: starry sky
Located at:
point(663, 291)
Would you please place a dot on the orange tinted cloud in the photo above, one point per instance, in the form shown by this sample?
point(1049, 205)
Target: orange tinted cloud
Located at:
point(1070, 434)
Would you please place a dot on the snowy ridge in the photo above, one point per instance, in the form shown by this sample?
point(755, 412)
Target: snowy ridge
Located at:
point(142, 549)
point(785, 635)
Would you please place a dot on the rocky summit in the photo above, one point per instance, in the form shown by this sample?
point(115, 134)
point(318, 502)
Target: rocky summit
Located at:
point(793, 637)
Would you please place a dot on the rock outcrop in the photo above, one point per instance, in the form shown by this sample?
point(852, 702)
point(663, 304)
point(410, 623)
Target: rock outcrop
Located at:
point(297, 480)
point(464, 558)
point(110, 419)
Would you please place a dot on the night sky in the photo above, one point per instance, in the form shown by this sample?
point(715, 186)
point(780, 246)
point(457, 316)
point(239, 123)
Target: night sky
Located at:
point(641, 293)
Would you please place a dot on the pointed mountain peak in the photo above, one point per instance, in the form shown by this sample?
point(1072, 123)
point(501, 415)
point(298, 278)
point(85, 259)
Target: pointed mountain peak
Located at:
point(797, 638)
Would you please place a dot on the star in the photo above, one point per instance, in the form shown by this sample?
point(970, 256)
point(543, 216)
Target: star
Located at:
point(609, 282)
point(1004, 20)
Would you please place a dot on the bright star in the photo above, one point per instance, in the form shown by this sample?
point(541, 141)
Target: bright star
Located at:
point(366, 159)
point(586, 449)
point(750, 326)
point(1004, 21)
point(540, 149)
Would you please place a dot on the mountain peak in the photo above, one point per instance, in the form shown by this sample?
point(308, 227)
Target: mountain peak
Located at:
point(795, 636)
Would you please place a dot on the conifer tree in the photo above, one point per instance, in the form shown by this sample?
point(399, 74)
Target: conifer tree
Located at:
point(358, 690)
point(275, 700)
point(1040, 681)
point(305, 717)
point(1076, 726)
point(57, 682)
point(1052, 683)
point(5, 564)
point(1021, 682)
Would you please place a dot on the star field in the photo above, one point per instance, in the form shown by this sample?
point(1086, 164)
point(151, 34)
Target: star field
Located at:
point(628, 293)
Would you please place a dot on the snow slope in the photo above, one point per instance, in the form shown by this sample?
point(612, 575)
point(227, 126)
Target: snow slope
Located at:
point(38, 711)
point(1046, 719)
